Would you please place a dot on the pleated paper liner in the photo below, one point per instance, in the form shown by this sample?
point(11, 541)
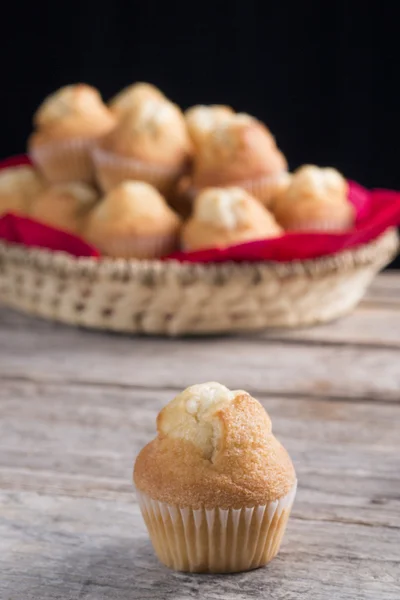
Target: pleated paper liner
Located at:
point(112, 169)
point(264, 188)
point(66, 160)
point(141, 246)
point(216, 540)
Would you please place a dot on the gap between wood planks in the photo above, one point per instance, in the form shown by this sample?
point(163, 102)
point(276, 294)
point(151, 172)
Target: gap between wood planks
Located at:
point(342, 521)
point(256, 393)
point(287, 395)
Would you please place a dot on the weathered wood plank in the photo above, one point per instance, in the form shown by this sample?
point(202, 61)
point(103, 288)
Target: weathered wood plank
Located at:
point(370, 324)
point(385, 290)
point(51, 353)
point(389, 280)
point(74, 548)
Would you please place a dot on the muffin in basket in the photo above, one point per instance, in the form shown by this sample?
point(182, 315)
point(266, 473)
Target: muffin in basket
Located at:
point(129, 96)
point(18, 187)
point(65, 206)
point(226, 216)
point(201, 120)
point(133, 221)
point(241, 151)
point(316, 200)
point(150, 143)
point(66, 125)
point(215, 486)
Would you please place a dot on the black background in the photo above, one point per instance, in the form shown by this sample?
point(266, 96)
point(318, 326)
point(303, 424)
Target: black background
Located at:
point(323, 76)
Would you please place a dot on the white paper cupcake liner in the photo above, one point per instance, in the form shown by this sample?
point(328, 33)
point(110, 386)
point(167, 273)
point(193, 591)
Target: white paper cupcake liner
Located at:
point(320, 226)
point(265, 189)
point(143, 246)
point(112, 169)
point(216, 540)
point(65, 160)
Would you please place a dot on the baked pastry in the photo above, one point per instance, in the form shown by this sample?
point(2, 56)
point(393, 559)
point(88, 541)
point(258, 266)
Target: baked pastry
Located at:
point(18, 187)
point(138, 92)
point(65, 206)
point(316, 200)
point(66, 125)
point(227, 216)
point(241, 151)
point(150, 143)
point(215, 486)
point(201, 120)
point(133, 221)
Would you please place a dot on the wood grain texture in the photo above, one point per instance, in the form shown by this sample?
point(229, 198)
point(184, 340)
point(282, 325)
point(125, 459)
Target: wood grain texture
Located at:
point(368, 326)
point(76, 407)
point(47, 352)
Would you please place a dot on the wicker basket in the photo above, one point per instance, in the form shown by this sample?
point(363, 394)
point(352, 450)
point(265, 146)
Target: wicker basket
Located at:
point(171, 298)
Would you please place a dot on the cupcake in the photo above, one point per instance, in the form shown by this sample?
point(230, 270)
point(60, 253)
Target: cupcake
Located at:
point(18, 187)
point(65, 206)
point(150, 143)
point(316, 200)
point(66, 125)
point(129, 96)
point(202, 120)
point(227, 216)
point(215, 486)
point(241, 151)
point(133, 221)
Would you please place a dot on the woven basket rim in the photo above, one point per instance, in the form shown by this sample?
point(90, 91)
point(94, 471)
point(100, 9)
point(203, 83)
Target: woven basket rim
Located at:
point(385, 245)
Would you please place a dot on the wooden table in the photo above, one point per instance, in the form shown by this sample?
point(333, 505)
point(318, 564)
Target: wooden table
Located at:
point(76, 407)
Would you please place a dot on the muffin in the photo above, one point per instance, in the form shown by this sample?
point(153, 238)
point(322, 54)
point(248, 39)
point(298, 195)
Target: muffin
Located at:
point(201, 120)
point(316, 200)
point(150, 143)
point(18, 187)
point(215, 486)
point(241, 151)
point(227, 216)
point(133, 221)
point(66, 125)
point(138, 92)
point(65, 206)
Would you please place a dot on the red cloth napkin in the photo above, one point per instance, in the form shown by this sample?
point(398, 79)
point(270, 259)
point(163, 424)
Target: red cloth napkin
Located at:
point(21, 230)
point(15, 161)
point(376, 211)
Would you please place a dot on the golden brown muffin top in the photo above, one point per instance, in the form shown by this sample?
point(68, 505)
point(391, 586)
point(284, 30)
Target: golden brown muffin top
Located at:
point(225, 216)
point(18, 188)
point(65, 205)
point(201, 120)
point(72, 111)
point(136, 93)
point(214, 448)
point(153, 132)
point(239, 148)
point(24, 180)
point(314, 193)
point(134, 208)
